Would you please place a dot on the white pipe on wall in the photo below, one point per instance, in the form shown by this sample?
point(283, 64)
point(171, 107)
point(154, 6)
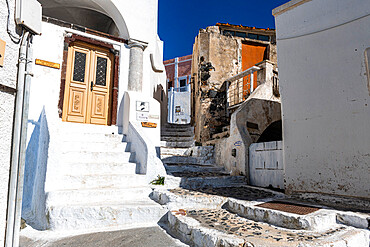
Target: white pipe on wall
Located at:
point(18, 148)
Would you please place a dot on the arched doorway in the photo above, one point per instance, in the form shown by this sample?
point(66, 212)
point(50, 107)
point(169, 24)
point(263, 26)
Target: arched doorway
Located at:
point(272, 133)
point(99, 15)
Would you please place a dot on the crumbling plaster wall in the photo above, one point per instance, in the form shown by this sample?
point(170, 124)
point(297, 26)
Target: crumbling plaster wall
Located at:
point(209, 98)
point(8, 77)
point(223, 53)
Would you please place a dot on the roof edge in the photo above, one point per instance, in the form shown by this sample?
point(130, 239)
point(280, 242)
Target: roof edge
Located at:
point(288, 6)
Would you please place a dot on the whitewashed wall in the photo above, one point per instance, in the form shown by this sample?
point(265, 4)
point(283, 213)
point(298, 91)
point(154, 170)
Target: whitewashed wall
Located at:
point(325, 95)
point(182, 100)
point(266, 166)
point(8, 76)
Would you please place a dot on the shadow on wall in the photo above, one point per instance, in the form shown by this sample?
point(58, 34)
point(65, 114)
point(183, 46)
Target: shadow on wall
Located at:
point(161, 96)
point(33, 204)
point(247, 124)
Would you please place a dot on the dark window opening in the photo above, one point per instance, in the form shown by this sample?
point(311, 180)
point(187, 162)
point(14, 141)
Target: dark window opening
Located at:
point(228, 33)
point(182, 82)
point(263, 37)
point(240, 34)
point(170, 84)
point(252, 36)
point(272, 133)
point(258, 37)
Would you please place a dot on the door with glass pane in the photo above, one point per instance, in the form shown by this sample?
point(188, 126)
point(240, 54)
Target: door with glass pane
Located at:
point(88, 84)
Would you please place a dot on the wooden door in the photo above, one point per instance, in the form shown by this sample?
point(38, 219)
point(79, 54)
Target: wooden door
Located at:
point(252, 53)
point(88, 84)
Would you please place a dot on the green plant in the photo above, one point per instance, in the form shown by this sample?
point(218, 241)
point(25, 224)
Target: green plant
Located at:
point(158, 181)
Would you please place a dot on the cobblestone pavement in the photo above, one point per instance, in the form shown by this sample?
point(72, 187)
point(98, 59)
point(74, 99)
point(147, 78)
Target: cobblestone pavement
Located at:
point(241, 193)
point(229, 223)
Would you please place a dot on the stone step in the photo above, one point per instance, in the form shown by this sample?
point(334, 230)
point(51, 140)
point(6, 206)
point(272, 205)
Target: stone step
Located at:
point(174, 151)
point(105, 215)
point(172, 200)
point(322, 219)
point(177, 126)
point(214, 182)
point(218, 227)
point(208, 171)
point(177, 138)
point(68, 182)
point(78, 196)
point(97, 157)
point(103, 168)
point(204, 196)
point(177, 133)
point(177, 144)
point(188, 160)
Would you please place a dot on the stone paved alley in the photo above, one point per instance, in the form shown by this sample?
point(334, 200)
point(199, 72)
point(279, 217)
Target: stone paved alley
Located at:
point(208, 207)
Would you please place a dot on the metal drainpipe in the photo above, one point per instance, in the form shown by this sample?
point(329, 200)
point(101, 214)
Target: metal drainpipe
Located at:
point(18, 145)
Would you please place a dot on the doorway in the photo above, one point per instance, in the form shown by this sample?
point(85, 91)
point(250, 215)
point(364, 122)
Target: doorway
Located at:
point(88, 84)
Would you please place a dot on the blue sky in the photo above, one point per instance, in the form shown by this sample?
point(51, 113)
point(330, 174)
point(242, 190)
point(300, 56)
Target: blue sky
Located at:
point(180, 20)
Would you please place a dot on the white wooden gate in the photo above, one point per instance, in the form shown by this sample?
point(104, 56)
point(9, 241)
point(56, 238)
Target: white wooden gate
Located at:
point(266, 166)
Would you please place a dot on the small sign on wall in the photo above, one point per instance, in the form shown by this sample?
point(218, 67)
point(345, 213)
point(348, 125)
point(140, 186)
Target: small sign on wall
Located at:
point(47, 64)
point(142, 116)
point(2, 52)
point(148, 125)
point(142, 106)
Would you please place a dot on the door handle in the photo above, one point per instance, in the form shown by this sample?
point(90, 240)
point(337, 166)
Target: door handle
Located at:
point(91, 86)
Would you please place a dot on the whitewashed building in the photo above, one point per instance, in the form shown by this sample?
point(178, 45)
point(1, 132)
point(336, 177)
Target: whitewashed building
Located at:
point(323, 56)
point(93, 122)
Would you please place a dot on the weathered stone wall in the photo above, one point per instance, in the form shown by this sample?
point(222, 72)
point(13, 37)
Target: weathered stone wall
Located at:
point(209, 95)
point(216, 57)
point(8, 76)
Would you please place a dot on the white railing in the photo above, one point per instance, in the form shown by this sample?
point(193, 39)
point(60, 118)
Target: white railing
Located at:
point(180, 89)
point(240, 86)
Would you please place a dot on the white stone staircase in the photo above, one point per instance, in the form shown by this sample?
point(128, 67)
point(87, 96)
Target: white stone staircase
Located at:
point(95, 184)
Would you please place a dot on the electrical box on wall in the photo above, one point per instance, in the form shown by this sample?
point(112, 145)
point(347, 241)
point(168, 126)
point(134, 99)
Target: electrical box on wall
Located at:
point(28, 13)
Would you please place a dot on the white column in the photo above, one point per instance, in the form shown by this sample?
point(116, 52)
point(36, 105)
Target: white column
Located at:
point(176, 81)
point(135, 74)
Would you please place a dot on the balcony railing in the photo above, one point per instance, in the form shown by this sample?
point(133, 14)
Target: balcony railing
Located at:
point(180, 89)
point(240, 86)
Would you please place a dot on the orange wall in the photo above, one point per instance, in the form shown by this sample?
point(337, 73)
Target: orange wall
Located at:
point(251, 54)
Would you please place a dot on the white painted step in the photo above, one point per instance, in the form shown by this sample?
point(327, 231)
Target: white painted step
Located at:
point(97, 157)
point(115, 146)
point(99, 168)
point(119, 214)
point(99, 181)
point(69, 127)
point(89, 137)
point(98, 195)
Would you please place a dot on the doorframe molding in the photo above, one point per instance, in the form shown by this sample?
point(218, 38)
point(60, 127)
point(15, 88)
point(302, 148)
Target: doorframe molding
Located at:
point(68, 40)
